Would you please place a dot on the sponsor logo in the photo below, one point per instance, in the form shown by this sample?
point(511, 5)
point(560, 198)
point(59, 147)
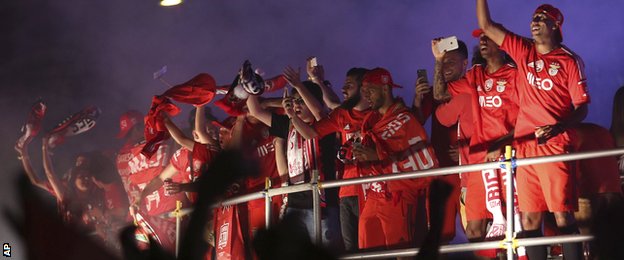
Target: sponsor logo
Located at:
point(490, 101)
point(488, 84)
point(545, 84)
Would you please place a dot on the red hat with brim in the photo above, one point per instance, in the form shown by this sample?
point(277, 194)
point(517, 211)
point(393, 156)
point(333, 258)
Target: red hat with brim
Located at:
point(552, 13)
point(379, 76)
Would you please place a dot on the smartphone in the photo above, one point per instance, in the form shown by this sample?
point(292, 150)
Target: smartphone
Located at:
point(422, 73)
point(448, 44)
point(313, 62)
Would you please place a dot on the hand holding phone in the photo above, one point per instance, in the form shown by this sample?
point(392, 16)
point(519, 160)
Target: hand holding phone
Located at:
point(448, 44)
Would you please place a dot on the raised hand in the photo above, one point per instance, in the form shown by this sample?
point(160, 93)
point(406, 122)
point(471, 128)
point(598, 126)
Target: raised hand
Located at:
point(421, 88)
point(293, 76)
point(434, 49)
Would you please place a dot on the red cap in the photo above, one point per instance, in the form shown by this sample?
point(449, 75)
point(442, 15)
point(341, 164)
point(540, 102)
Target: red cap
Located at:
point(379, 76)
point(127, 121)
point(477, 33)
point(552, 13)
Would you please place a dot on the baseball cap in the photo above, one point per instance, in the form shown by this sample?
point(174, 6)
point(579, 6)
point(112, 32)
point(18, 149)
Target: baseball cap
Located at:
point(552, 13)
point(477, 33)
point(127, 121)
point(379, 76)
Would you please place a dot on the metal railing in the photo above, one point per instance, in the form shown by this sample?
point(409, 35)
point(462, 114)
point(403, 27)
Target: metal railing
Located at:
point(509, 243)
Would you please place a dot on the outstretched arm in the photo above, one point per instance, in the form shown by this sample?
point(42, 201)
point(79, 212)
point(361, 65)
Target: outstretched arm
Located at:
point(24, 157)
point(440, 91)
point(302, 127)
point(56, 184)
point(317, 75)
point(178, 135)
point(293, 78)
point(200, 125)
point(491, 30)
point(256, 110)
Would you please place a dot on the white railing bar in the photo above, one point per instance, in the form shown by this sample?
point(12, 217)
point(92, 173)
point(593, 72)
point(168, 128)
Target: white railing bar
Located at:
point(569, 157)
point(471, 247)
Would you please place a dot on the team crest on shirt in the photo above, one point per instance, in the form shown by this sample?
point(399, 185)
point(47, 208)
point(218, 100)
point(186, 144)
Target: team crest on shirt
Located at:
point(554, 68)
point(500, 85)
point(488, 84)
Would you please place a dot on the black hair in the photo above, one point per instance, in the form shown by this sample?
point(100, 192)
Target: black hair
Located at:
point(358, 75)
point(478, 59)
point(462, 48)
point(314, 89)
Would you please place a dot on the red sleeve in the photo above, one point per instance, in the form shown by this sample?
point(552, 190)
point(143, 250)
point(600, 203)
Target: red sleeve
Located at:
point(460, 86)
point(448, 114)
point(329, 124)
point(516, 46)
point(577, 83)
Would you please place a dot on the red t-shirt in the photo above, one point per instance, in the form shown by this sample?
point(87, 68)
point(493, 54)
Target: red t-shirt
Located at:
point(137, 171)
point(494, 105)
point(258, 144)
point(401, 145)
point(349, 124)
point(202, 155)
point(548, 84)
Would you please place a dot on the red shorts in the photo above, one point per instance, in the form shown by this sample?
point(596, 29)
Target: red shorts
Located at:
point(546, 186)
point(386, 224)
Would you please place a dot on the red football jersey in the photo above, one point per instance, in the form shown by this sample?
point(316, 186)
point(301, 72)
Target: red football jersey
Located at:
point(494, 104)
point(259, 145)
point(401, 144)
point(137, 171)
point(548, 84)
point(348, 123)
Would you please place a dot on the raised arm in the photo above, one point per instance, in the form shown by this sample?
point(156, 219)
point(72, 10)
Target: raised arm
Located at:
point(200, 125)
point(293, 78)
point(440, 91)
point(302, 127)
point(178, 135)
point(280, 159)
point(236, 139)
point(256, 110)
point(24, 157)
point(48, 168)
point(491, 30)
point(317, 75)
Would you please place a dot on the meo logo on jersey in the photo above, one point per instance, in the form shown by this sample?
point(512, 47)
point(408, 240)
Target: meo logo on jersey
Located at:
point(545, 84)
point(490, 101)
point(223, 235)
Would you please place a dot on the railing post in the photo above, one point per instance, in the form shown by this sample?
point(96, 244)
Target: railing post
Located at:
point(509, 231)
point(316, 204)
point(267, 203)
point(178, 217)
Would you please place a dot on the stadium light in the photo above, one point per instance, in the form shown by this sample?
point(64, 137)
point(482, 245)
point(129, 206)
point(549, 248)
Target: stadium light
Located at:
point(170, 2)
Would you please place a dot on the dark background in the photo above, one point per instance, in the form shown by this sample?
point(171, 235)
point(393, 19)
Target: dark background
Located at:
point(75, 53)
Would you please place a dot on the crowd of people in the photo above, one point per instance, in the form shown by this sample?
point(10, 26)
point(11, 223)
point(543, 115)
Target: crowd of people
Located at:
point(531, 94)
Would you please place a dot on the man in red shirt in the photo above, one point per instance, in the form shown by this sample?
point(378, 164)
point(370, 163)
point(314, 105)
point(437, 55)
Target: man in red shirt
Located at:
point(553, 97)
point(393, 142)
point(492, 102)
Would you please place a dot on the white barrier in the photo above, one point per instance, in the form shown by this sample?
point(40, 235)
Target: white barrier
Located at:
point(509, 242)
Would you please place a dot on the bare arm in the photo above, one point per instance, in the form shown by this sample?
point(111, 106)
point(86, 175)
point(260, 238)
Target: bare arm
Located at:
point(26, 163)
point(177, 135)
point(315, 107)
point(317, 75)
point(236, 139)
point(549, 131)
point(200, 125)
point(157, 182)
point(280, 158)
point(56, 184)
point(440, 90)
point(302, 127)
point(486, 24)
point(256, 110)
